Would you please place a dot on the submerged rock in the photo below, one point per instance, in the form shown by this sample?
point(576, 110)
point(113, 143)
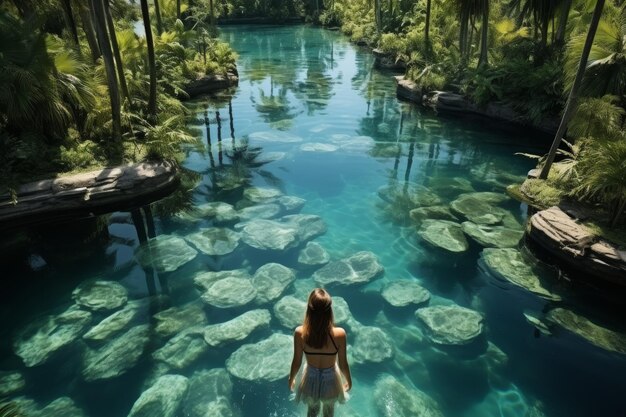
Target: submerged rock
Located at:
point(209, 395)
point(264, 361)
point(161, 399)
point(308, 226)
point(215, 241)
point(357, 269)
point(290, 311)
point(261, 194)
point(113, 324)
point(450, 187)
point(313, 254)
point(408, 196)
point(479, 207)
point(402, 292)
point(420, 214)
point(117, 356)
point(176, 319)
point(318, 147)
point(393, 399)
point(100, 295)
point(61, 407)
point(538, 324)
point(444, 234)
point(229, 292)
point(291, 204)
point(39, 340)
point(165, 253)
point(262, 211)
point(274, 136)
point(508, 264)
point(270, 281)
point(451, 325)
point(270, 235)
point(371, 344)
point(204, 280)
point(493, 236)
point(11, 382)
point(183, 349)
point(342, 312)
point(236, 329)
point(588, 330)
point(222, 213)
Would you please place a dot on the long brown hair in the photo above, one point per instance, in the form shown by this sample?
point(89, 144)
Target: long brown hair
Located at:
point(318, 320)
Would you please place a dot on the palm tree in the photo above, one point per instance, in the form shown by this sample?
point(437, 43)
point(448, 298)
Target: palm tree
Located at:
point(90, 34)
point(116, 51)
point(157, 13)
point(469, 10)
point(559, 38)
point(573, 94)
point(177, 9)
point(109, 65)
point(145, 13)
point(377, 16)
point(69, 17)
point(427, 25)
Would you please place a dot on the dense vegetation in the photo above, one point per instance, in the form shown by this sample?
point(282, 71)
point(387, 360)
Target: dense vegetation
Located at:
point(525, 54)
point(85, 84)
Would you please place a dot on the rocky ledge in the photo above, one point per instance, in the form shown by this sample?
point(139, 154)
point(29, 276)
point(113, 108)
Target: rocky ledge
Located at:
point(448, 102)
point(385, 60)
point(211, 83)
point(576, 247)
point(118, 188)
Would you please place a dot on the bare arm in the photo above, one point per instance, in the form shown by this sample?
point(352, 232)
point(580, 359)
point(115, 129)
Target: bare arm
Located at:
point(297, 357)
point(342, 341)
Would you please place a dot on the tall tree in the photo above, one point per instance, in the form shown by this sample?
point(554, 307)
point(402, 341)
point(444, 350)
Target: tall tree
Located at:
point(573, 94)
point(483, 60)
point(559, 39)
point(377, 16)
point(427, 25)
point(109, 66)
point(69, 18)
point(469, 10)
point(145, 13)
point(90, 33)
point(157, 13)
point(177, 9)
point(116, 51)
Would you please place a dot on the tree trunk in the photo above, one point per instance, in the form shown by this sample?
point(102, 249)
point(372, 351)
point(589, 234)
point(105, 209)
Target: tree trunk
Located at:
point(483, 61)
point(573, 94)
point(157, 13)
point(90, 34)
point(109, 65)
point(377, 15)
point(145, 13)
point(177, 9)
point(560, 32)
point(212, 13)
point(116, 52)
point(69, 17)
point(427, 26)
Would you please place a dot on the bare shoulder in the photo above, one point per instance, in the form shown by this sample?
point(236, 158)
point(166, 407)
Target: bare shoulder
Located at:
point(298, 331)
point(339, 333)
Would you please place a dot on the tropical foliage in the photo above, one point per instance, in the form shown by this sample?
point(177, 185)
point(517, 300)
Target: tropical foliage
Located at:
point(66, 103)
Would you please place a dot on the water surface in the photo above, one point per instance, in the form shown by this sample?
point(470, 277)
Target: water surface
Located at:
point(312, 118)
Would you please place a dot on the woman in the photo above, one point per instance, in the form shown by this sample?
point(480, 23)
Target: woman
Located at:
point(325, 348)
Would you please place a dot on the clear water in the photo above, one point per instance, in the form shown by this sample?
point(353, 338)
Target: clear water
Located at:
point(315, 86)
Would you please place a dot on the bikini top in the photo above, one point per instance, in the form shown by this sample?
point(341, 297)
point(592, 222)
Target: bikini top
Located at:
point(325, 353)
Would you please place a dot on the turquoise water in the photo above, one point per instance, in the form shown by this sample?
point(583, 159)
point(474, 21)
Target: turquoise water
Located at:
point(313, 119)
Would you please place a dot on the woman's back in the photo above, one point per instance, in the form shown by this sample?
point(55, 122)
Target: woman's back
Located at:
point(326, 356)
